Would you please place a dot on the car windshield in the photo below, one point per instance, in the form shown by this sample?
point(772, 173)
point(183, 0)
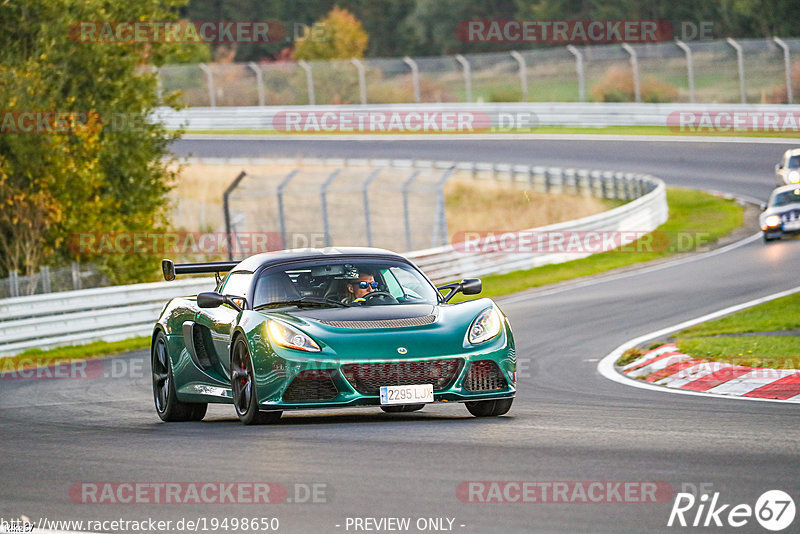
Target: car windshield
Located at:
point(794, 162)
point(787, 197)
point(342, 283)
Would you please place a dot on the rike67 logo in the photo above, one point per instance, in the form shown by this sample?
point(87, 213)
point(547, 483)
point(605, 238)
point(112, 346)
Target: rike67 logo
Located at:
point(774, 510)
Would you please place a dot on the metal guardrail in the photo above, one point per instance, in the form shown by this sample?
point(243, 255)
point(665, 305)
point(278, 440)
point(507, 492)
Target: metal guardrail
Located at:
point(114, 313)
point(502, 117)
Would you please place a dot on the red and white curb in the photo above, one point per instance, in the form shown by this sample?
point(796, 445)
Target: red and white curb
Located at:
point(666, 366)
point(710, 379)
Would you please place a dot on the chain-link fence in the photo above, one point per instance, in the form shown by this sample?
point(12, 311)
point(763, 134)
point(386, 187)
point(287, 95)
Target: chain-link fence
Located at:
point(729, 71)
point(51, 280)
point(394, 204)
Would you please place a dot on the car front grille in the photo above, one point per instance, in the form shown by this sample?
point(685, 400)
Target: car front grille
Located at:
point(384, 323)
point(790, 216)
point(311, 385)
point(484, 375)
point(367, 378)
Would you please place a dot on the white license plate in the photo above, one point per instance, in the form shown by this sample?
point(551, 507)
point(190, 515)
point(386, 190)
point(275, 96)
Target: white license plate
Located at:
point(414, 394)
point(792, 225)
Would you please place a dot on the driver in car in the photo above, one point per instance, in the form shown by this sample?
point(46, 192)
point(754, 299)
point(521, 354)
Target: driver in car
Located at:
point(357, 290)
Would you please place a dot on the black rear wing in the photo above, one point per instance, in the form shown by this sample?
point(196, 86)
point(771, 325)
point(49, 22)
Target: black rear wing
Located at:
point(170, 270)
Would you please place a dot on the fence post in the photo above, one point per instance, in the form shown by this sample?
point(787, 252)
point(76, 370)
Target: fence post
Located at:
point(159, 88)
point(467, 76)
point(787, 65)
point(309, 81)
point(523, 74)
point(212, 94)
point(414, 77)
point(406, 186)
point(13, 283)
point(365, 193)
point(440, 223)
point(362, 79)
point(689, 66)
point(76, 275)
point(637, 90)
point(259, 81)
point(46, 285)
point(740, 62)
point(579, 68)
point(226, 212)
point(324, 197)
point(281, 214)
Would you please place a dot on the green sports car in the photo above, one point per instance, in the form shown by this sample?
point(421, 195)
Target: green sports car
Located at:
point(329, 328)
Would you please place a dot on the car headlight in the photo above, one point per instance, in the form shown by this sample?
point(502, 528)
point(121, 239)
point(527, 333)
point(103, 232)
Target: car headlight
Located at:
point(485, 326)
point(794, 177)
point(772, 220)
point(290, 337)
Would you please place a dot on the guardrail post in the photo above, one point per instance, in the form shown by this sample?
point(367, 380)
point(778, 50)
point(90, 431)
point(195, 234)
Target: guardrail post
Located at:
point(13, 283)
point(76, 275)
point(439, 237)
point(414, 77)
point(212, 94)
point(365, 195)
point(259, 81)
point(309, 81)
point(637, 90)
point(46, 286)
point(362, 79)
point(787, 66)
point(740, 62)
point(594, 177)
point(281, 214)
point(324, 198)
point(581, 74)
point(523, 74)
point(407, 215)
point(467, 76)
point(689, 67)
point(226, 212)
point(582, 183)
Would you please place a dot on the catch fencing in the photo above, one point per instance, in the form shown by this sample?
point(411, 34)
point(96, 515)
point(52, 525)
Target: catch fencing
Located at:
point(742, 71)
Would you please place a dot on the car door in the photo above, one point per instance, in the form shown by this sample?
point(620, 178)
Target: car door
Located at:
point(219, 322)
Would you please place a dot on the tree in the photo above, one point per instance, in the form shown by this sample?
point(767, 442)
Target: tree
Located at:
point(94, 162)
point(337, 36)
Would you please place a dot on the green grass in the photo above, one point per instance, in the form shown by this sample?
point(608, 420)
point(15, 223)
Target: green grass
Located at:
point(690, 212)
point(777, 352)
point(605, 130)
point(774, 352)
point(778, 314)
point(43, 358)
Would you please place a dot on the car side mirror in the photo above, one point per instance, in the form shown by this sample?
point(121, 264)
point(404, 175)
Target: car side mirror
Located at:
point(468, 286)
point(779, 166)
point(471, 286)
point(210, 299)
point(763, 206)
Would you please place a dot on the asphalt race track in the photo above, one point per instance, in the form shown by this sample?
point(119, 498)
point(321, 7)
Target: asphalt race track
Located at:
point(568, 423)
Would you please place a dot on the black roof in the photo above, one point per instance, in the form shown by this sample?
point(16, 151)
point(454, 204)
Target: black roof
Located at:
point(337, 253)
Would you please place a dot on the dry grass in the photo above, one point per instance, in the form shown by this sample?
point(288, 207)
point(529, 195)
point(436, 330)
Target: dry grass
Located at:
point(482, 205)
point(471, 205)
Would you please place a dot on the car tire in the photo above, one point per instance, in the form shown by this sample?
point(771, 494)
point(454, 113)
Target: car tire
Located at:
point(243, 388)
point(404, 408)
point(490, 408)
point(168, 407)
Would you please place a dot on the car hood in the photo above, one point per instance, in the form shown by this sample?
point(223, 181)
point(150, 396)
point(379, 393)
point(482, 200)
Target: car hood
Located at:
point(390, 332)
point(779, 210)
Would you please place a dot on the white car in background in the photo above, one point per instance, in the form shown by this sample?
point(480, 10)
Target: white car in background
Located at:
point(787, 171)
point(782, 214)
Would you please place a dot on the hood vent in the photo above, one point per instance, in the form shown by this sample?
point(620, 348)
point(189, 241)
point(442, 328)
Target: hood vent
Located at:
point(384, 323)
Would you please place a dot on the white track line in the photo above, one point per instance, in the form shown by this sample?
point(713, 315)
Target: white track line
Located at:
point(606, 365)
point(492, 137)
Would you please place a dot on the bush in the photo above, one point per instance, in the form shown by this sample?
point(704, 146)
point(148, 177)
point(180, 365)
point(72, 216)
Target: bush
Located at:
point(617, 86)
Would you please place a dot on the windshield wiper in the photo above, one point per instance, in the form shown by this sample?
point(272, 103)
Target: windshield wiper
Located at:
point(313, 301)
